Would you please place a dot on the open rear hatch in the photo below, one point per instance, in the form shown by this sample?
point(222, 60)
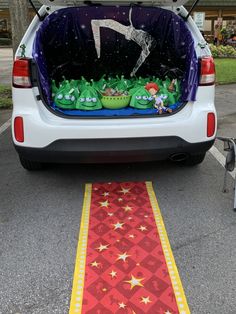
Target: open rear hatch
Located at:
point(115, 60)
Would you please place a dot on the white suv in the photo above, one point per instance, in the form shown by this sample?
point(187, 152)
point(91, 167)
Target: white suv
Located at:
point(155, 38)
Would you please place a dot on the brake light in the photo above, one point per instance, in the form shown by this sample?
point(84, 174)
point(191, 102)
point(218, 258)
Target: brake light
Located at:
point(19, 129)
point(211, 124)
point(207, 71)
point(21, 73)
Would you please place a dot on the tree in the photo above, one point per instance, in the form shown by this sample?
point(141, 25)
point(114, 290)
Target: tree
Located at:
point(19, 14)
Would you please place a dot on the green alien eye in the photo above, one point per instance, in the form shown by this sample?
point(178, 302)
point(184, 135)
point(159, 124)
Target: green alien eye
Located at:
point(88, 99)
point(72, 98)
point(67, 97)
point(145, 98)
point(94, 99)
point(82, 99)
point(138, 97)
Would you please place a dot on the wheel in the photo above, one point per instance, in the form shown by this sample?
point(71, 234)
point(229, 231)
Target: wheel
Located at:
point(30, 165)
point(194, 160)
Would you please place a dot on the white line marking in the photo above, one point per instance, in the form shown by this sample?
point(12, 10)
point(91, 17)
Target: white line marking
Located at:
point(5, 126)
point(221, 159)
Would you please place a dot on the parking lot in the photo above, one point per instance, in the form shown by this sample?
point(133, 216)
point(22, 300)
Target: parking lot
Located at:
point(40, 218)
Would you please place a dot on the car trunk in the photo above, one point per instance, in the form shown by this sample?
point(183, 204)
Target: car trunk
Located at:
point(131, 42)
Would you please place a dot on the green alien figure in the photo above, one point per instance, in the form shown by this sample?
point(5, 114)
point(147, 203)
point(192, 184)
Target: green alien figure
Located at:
point(88, 100)
point(141, 99)
point(66, 96)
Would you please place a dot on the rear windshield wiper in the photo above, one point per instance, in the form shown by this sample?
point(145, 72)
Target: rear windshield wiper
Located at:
point(41, 18)
point(192, 8)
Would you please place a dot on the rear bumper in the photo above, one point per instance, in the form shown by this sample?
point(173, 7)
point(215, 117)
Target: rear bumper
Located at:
point(112, 150)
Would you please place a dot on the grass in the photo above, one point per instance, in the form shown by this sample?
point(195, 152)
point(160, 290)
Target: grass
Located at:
point(225, 71)
point(5, 97)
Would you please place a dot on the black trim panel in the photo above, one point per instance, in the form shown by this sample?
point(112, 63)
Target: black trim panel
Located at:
point(112, 150)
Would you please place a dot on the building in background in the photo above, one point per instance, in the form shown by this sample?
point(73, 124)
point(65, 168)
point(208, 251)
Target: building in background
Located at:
point(220, 17)
point(211, 15)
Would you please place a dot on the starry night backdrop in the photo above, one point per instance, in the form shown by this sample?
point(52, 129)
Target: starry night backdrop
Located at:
point(64, 46)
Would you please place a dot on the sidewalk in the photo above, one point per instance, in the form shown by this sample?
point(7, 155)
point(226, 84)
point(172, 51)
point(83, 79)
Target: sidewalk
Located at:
point(6, 61)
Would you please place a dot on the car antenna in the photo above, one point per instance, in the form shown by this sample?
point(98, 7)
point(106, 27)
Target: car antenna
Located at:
point(192, 8)
point(41, 18)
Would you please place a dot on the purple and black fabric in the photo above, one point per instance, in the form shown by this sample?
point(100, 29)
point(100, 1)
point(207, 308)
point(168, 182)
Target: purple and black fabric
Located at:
point(64, 46)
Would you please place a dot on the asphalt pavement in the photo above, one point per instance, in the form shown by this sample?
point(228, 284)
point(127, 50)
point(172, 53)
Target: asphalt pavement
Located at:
point(40, 218)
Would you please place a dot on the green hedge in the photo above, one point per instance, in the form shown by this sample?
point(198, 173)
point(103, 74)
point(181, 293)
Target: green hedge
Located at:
point(222, 51)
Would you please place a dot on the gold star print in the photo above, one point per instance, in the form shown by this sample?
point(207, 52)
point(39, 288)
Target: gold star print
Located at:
point(123, 256)
point(124, 191)
point(146, 300)
point(120, 199)
point(135, 282)
point(130, 218)
point(127, 208)
point(122, 305)
point(95, 264)
point(102, 247)
point(104, 204)
point(106, 194)
point(132, 236)
point(104, 289)
point(142, 228)
point(113, 274)
point(110, 214)
point(118, 225)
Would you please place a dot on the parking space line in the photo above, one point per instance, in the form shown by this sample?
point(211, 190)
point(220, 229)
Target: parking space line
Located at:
point(5, 126)
point(221, 159)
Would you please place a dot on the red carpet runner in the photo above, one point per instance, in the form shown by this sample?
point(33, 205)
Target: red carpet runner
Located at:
point(124, 262)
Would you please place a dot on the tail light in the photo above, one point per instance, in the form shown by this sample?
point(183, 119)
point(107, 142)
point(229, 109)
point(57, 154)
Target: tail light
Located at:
point(211, 124)
point(19, 129)
point(207, 71)
point(21, 73)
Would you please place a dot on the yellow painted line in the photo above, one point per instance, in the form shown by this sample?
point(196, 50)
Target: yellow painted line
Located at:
point(79, 273)
point(172, 268)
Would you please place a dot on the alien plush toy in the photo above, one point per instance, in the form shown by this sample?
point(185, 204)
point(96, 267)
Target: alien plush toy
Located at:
point(66, 96)
point(141, 99)
point(88, 99)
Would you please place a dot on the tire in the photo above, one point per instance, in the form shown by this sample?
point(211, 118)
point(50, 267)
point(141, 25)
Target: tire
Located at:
point(30, 165)
point(194, 160)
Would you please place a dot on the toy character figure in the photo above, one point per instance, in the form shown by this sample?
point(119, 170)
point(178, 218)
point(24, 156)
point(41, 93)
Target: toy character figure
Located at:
point(88, 99)
point(141, 99)
point(153, 89)
point(66, 96)
point(23, 48)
